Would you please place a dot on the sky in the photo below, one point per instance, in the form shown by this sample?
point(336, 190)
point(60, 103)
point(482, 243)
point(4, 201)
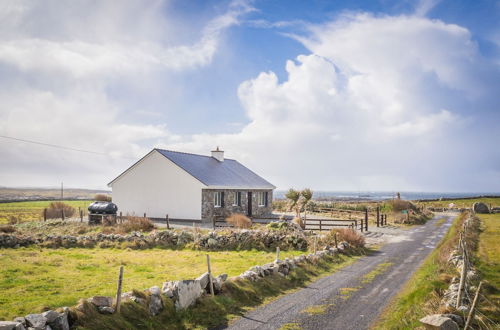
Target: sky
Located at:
point(374, 95)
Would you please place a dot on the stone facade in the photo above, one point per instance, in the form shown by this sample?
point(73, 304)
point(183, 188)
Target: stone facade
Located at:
point(209, 210)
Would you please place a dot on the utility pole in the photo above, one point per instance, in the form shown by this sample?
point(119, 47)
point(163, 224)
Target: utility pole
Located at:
point(62, 189)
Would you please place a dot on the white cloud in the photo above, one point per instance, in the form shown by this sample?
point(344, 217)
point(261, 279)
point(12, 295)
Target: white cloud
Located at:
point(376, 98)
point(62, 63)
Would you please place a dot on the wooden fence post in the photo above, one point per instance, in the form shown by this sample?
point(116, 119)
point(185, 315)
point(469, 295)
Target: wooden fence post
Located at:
point(121, 218)
point(471, 312)
point(45, 214)
point(362, 225)
point(168, 222)
point(277, 253)
point(210, 276)
point(378, 216)
point(463, 274)
point(320, 225)
point(81, 215)
point(62, 214)
point(366, 219)
point(213, 221)
point(119, 290)
point(144, 214)
point(335, 236)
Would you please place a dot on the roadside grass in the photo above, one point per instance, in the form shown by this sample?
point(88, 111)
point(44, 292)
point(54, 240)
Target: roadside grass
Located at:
point(33, 279)
point(420, 295)
point(32, 210)
point(237, 298)
point(489, 266)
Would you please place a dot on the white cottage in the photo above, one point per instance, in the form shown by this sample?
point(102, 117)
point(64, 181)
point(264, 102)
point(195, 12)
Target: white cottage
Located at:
point(190, 187)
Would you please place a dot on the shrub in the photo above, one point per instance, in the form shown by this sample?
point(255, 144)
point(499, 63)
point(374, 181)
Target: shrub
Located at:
point(7, 229)
point(346, 234)
point(102, 198)
point(136, 224)
point(239, 220)
point(12, 220)
point(54, 210)
point(399, 205)
point(300, 222)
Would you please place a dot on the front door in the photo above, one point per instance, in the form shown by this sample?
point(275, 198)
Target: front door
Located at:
point(249, 203)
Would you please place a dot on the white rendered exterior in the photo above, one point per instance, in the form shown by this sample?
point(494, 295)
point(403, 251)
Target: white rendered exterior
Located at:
point(157, 186)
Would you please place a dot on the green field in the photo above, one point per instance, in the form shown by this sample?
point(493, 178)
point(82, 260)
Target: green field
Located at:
point(462, 203)
point(32, 279)
point(32, 210)
point(489, 266)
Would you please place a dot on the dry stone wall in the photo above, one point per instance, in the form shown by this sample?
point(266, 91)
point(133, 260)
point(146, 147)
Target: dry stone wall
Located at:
point(221, 239)
point(183, 294)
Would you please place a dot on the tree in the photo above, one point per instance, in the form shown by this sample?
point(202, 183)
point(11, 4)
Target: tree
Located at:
point(307, 195)
point(293, 197)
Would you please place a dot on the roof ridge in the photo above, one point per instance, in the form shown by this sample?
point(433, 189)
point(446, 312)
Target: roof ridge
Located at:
point(189, 153)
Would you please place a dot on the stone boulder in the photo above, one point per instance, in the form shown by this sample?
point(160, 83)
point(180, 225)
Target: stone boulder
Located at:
point(11, 325)
point(101, 301)
point(106, 310)
point(36, 320)
point(479, 207)
point(204, 280)
point(184, 293)
point(438, 321)
point(218, 282)
point(155, 302)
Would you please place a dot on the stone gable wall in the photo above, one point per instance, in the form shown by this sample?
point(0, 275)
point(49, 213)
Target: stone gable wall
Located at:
point(208, 210)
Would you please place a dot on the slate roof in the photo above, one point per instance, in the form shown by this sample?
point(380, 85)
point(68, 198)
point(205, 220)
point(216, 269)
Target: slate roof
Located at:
point(211, 172)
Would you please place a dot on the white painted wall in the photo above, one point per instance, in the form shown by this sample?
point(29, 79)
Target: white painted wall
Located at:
point(158, 187)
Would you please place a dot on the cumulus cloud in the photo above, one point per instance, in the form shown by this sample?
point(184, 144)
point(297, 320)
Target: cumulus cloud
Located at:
point(380, 103)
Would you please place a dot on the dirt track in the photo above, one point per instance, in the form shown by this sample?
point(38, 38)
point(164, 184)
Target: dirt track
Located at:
point(354, 297)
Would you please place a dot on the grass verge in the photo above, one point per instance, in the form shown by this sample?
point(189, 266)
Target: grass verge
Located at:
point(420, 296)
point(489, 268)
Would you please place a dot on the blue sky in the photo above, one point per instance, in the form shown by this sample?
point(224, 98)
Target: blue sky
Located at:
point(332, 95)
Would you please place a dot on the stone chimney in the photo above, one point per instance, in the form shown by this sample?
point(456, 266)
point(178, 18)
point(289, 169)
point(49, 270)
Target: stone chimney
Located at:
point(218, 154)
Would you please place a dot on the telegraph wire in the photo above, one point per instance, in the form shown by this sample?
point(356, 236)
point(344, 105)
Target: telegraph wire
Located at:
point(53, 145)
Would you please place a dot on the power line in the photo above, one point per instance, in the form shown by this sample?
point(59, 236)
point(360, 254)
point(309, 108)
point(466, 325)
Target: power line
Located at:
point(53, 145)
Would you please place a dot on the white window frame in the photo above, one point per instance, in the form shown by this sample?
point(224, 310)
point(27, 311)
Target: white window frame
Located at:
point(217, 199)
point(261, 199)
point(235, 202)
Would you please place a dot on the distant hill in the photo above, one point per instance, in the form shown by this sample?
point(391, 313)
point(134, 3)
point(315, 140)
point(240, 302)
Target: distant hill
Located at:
point(13, 194)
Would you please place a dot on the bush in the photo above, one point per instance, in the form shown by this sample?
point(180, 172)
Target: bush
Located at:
point(102, 198)
point(346, 234)
point(136, 224)
point(300, 222)
point(399, 205)
point(239, 220)
point(54, 210)
point(7, 229)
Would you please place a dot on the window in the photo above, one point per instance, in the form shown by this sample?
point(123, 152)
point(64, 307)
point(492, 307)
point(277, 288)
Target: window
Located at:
point(219, 199)
point(262, 198)
point(237, 198)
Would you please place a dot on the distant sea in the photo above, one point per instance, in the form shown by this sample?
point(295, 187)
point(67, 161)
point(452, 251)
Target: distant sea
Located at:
point(383, 195)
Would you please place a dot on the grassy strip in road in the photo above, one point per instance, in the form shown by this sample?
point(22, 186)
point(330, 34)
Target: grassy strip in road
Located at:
point(420, 296)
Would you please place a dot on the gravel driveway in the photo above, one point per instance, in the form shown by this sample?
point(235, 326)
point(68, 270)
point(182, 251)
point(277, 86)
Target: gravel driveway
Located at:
point(353, 297)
